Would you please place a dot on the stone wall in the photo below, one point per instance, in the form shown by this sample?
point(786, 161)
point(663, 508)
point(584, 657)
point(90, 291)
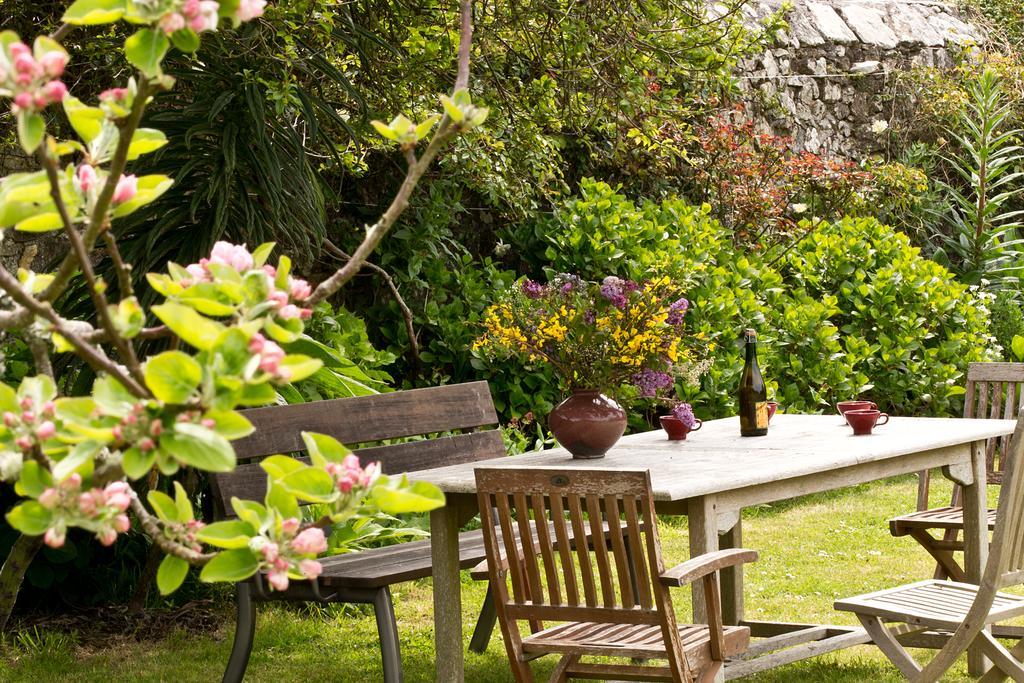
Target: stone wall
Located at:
point(830, 77)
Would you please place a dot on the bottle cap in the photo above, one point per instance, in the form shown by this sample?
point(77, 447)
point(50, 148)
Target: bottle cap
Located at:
point(749, 332)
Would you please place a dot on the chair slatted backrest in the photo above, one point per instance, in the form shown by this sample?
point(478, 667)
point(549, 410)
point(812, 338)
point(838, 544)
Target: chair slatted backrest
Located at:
point(1006, 553)
point(995, 390)
point(554, 580)
point(364, 420)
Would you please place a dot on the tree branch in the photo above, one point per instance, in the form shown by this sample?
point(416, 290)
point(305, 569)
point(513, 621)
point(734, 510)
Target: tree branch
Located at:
point(152, 526)
point(446, 130)
point(123, 270)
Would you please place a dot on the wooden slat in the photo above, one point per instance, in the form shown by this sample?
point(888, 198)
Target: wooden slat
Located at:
point(536, 588)
point(520, 592)
point(249, 481)
point(601, 550)
point(622, 565)
point(547, 550)
point(369, 418)
point(637, 552)
point(564, 551)
point(1003, 372)
point(586, 570)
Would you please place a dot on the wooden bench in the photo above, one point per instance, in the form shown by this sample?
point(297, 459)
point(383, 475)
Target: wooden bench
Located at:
point(365, 577)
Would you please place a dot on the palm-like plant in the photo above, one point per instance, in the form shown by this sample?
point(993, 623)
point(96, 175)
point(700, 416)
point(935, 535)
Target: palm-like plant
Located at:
point(984, 239)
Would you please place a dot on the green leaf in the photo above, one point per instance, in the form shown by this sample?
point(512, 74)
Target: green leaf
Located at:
point(87, 121)
point(39, 388)
point(261, 253)
point(420, 496)
point(324, 447)
point(384, 129)
point(280, 499)
point(198, 447)
point(128, 317)
point(279, 466)
point(43, 222)
point(171, 574)
point(451, 109)
point(137, 464)
point(193, 328)
point(30, 518)
point(92, 12)
point(299, 367)
point(111, 396)
point(33, 480)
point(230, 424)
point(1017, 346)
point(249, 511)
point(185, 40)
point(79, 455)
point(163, 506)
point(31, 128)
point(145, 49)
point(144, 141)
point(310, 484)
point(230, 534)
point(230, 565)
point(8, 398)
point(182, 503)
point(173, 376)
point(150, 187)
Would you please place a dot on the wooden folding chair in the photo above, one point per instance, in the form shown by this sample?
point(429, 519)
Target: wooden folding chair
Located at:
point(608, 600)
point(994, 390)
point(963, 610)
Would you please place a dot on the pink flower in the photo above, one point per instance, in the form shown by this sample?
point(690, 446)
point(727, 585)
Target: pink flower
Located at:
point(172, 22)
point(305, 313)
point(53, 63)
point(120, 501)
point(114, 94)
point(270, 270)
point(54, 538)
point(55, 91)
point(249, 9)
point(256, 343)
point(197, 272)
point(233, 255)
point(300, 290)
point(278, 580)
point(122, 523)
point(127, 188)
point(49, 408)
point(290, 526)
point(290, 311)
point(310, 569)
point(310, 541)
point(270, 357)
point(278, 297)
point(23, 100)
point(146, 444)
point(46, 430)
point(87, 504)
point(73, 481)
point(10, 419)
point(106, 536)
point(85, 177)
point(18, 49)
point(24, 64)
point(24, 443)
point(270, 552)
point(49, 498)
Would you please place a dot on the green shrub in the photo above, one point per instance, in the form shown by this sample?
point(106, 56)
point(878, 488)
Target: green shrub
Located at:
point(1007, 322)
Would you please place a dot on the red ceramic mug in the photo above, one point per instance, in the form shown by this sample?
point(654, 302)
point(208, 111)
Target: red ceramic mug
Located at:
point(844, 406)
point(772, 407)
point(863, 421)
point(676, 429)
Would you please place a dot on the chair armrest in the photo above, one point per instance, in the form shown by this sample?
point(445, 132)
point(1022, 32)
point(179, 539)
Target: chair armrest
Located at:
point(702, 565)
point(480, 571)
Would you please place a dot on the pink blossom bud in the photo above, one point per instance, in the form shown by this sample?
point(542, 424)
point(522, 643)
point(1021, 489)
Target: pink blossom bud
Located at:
point(310, 569)
point(146, 444)
point(40, 100)
point(305, 313)
point(351, 462)
point(23, 100)
point(54, 538)
point(25, 443)
point(290, 526)
point(345, 483)
point(270, 552)
point(270, 270)
point(55, 91)
point(197, 272)
point(256, 343)
point(28, 417)
point(86, 177)
point(24, 80)
point(73, 481)
point(280, 564)
point(24, 64)
point(138, 408)
point(156, 428)
point(299, 289)
point(172, 22)
point(122, 523)
point(87, 504)
point(117, 433)
point(127, 188)
point(310, 541)
point(106, 536)
point(114, 94)
point(49, 408)
point(209, 423)
point(121, 501)
point(249, 9)
point(234, 255)
point(18, 49)
point(278, 298)
point(10, 419)
point(130, 419)
point(278, 580)
point(26, 403)
point(46, 430)
point(190, 8)
point(53, 63)
point(288, 312)
point(117, 487)
point(49, 498)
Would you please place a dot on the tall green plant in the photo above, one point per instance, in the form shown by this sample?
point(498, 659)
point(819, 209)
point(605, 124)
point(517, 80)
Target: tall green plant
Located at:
point(983, 239)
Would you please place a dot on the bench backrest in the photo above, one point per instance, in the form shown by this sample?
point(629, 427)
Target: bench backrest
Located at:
point(995, 390)
point(464, 408)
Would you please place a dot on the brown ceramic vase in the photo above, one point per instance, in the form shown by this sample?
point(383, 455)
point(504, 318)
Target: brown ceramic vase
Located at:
point(587, 423)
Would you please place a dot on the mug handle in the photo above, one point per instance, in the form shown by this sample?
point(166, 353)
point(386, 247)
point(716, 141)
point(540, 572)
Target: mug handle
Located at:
point(880, 416)
point(700, 423)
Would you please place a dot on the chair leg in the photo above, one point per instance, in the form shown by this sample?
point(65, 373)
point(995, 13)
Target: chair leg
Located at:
point(560, 675)
point(245, 630)
point(947, 564)
point(387, 631)
point(1003, 660)
point(484, 623)
point(889, 646)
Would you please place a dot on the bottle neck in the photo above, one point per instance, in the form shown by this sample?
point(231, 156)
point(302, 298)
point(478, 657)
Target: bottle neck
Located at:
point(751, 349)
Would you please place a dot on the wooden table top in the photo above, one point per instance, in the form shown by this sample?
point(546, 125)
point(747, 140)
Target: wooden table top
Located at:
point(717, 459)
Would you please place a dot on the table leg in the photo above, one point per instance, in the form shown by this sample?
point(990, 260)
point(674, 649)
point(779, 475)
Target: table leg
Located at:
point(732, 577)
point(703, 525)
point(444, 552)
point(975, 503)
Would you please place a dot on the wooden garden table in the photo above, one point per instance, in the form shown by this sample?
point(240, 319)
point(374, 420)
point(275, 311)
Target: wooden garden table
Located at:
point(716, 473)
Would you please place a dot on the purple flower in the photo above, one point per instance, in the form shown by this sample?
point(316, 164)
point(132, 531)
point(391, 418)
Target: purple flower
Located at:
point(532, 289)
point(628, 286)
point(613, 289)
point(590, 316)
point(684, 411)
point(676, 311)
point(567, 282)
point(649, 382)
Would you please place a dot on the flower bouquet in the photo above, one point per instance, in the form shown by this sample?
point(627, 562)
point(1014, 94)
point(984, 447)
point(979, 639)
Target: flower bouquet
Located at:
point(616, 336)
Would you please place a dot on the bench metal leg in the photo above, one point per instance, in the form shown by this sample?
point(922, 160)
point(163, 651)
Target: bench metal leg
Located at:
point(387, 630)
point(484, 623)
point(245, 630)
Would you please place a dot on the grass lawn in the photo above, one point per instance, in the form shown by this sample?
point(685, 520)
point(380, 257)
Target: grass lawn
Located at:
point(813, 550)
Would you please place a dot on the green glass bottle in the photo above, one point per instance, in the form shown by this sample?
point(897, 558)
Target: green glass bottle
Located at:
point(753, 393)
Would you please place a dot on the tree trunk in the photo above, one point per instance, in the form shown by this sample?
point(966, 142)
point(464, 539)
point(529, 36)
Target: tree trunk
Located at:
point(13, 573)
point(138, 599)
